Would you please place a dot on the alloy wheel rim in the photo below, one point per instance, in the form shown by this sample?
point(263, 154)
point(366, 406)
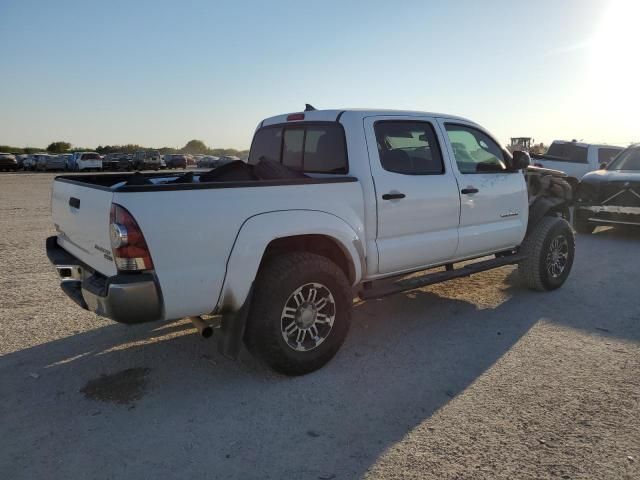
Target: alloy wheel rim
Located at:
point(557, 256)
point(307, 317)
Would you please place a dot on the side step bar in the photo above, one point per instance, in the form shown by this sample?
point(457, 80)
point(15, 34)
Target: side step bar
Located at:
point(383, 288)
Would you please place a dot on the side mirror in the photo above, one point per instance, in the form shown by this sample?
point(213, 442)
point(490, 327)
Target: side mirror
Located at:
point(520, 160)
point(603, 165)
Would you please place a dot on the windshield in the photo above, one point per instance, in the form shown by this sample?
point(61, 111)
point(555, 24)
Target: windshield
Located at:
point(629, 159)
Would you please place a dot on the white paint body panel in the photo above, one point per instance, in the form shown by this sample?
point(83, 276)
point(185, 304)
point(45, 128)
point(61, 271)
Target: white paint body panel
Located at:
point(257, 232)
point(207, 243)
point(192, 243)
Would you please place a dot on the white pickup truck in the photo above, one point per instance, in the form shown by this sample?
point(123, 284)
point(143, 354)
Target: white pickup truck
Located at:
point(331, 205)
point(576, 159)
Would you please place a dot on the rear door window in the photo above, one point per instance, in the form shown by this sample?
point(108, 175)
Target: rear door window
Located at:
point(409, 148)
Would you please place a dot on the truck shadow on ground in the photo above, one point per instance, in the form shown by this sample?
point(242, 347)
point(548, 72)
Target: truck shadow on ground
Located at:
point(191, 413)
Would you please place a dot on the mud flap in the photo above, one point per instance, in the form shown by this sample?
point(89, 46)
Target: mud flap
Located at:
point(232, 329)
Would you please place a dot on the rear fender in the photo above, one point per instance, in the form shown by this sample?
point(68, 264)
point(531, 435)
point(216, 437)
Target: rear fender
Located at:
point(258, 231)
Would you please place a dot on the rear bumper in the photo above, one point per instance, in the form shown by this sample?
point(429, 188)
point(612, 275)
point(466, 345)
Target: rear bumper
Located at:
point(609, 214)
point(125, 298)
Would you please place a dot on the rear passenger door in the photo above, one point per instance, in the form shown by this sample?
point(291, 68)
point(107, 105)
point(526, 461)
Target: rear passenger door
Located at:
point(417, 197)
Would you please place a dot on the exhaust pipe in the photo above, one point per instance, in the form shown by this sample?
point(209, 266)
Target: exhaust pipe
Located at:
point(205, 329)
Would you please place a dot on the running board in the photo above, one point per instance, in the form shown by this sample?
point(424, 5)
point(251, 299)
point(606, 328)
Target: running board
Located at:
point(382, 288)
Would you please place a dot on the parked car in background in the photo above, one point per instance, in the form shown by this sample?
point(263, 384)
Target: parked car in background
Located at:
point(20, 159)
point(8, 161)
point(176, 160)
point(208, 161)
point(111, 161)
point(55, 163)
point(29, 163)
point(610, 196)
point(575, 158)
point(84, 161)
point(146, 160)
point(67, 157)
point(304, 228)
point(41, 161)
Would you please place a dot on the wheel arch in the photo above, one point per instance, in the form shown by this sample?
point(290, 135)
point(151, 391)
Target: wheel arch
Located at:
point(265, 235)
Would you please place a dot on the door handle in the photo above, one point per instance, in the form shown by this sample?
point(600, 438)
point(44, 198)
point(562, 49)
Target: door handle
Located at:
point(467, 191)
point(393, 196)
point(74, 202)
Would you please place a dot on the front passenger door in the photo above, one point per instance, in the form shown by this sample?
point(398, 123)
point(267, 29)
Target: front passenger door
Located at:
point(494, 203)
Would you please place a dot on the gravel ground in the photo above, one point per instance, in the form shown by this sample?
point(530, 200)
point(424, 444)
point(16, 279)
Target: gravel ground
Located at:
point(476, 378)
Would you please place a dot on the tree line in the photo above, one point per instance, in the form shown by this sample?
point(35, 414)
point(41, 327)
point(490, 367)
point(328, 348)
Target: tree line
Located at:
point(192, 147)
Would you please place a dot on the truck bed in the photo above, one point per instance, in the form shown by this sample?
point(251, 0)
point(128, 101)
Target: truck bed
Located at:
point(162, 181)
point(190, 226)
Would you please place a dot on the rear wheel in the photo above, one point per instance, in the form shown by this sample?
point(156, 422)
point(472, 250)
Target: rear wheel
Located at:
point(549, 251)
point(300, 313)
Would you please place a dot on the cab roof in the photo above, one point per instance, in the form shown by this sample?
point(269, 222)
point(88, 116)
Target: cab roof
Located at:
point(333, 115)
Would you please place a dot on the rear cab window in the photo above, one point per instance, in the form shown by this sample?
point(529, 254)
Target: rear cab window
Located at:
point(307, 147)
point(568, 152)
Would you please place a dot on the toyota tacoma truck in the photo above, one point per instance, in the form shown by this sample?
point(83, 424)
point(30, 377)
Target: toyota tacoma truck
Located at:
point(332, 204)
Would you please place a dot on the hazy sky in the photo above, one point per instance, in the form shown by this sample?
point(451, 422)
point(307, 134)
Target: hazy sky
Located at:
point(161, 73)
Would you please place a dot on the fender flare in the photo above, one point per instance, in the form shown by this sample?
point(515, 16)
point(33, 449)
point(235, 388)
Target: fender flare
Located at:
point(541, 207)
point(259, 230)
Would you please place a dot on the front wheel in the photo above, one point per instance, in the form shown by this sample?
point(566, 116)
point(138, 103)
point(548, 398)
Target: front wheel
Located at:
point(549, 250)
point(300, 313)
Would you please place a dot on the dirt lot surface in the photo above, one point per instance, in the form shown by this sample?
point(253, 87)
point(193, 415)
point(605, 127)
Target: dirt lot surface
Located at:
point(477, 378)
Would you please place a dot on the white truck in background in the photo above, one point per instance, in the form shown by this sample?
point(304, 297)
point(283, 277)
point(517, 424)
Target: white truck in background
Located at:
point(331, 203)
point(576, 159)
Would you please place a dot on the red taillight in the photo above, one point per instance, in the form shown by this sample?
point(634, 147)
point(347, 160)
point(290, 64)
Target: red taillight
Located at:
point(295, 116)
point(129, 247)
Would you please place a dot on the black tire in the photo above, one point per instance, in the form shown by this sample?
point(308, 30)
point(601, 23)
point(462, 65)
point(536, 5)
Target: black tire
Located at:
point(537, 248)
point(276, 282)
point(581, 225)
